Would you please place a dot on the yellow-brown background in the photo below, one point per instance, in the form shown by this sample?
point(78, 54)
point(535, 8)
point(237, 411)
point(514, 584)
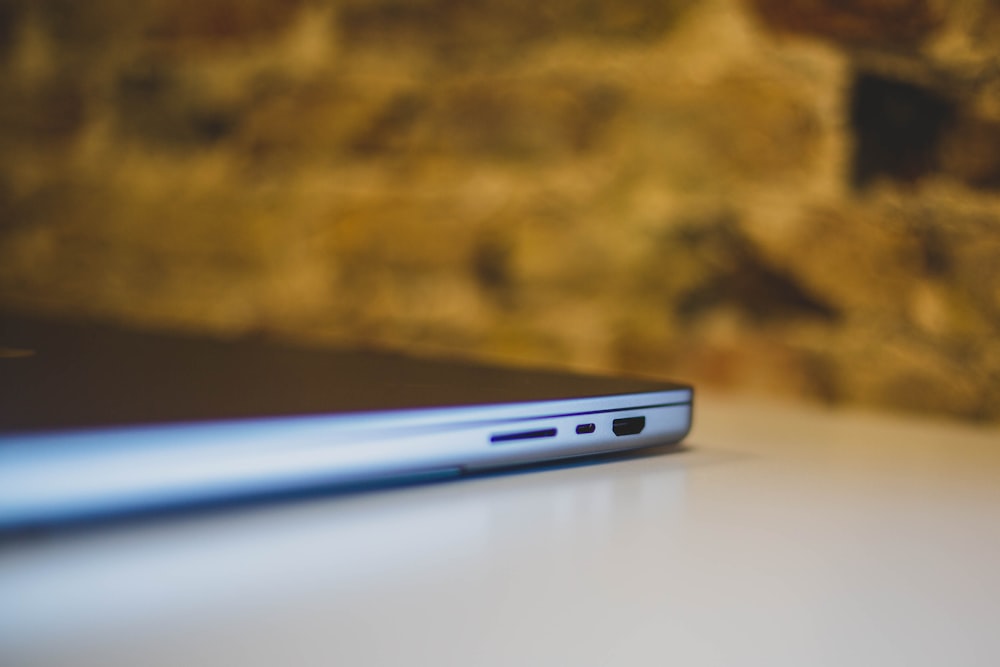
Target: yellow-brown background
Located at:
point(789, 197)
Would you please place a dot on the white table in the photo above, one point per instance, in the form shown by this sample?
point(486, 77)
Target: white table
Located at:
point(783, 535)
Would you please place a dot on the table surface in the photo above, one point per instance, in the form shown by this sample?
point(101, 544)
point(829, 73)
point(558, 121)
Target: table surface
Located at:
point(780, 535)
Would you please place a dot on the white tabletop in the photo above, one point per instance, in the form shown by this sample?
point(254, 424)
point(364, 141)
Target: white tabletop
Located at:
point(782, 535)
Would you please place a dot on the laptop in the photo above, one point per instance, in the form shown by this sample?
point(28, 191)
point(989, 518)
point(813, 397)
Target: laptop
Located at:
point(99, 420)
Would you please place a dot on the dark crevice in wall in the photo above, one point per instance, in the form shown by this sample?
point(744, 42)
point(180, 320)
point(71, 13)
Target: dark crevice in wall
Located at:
point(742, 279)
point(493, 271)
point(389, 128)
point(936, 254)
point(154, 105)
point(897, 129)
point(898, 22)
point(904, 132)
point(10, 19)
point(760, 293)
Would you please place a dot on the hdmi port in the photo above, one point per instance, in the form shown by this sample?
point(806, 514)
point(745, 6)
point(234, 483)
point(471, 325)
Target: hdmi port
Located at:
point(628, 425)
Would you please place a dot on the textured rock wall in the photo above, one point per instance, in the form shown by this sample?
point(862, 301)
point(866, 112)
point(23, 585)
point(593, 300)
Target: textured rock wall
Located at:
point(791, 197)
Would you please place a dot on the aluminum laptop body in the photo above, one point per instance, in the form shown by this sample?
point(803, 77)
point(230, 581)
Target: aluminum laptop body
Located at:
point(97, 420)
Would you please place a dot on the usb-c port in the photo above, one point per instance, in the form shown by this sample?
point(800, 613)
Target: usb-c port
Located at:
point(585, 428)
point(628, 425)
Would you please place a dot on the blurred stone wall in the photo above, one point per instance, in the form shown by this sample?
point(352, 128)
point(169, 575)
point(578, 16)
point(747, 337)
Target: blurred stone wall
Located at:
point(789, 197)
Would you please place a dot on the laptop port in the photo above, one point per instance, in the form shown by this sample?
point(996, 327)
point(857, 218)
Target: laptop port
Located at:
point(628, 425)
point(586, 428)
point(524, 435)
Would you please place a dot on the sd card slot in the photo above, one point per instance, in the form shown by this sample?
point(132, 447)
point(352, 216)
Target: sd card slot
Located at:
point(524, 435)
